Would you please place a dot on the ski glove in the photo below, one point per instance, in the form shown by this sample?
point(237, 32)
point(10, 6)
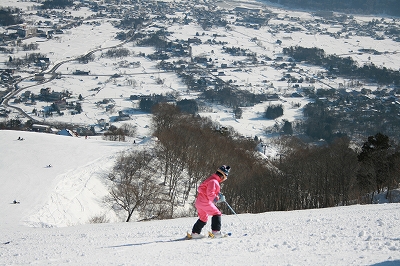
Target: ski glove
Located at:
point(220, 198)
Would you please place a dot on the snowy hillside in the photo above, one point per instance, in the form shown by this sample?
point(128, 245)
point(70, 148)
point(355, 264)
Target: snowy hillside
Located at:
point(58, 201)
point(65, 193)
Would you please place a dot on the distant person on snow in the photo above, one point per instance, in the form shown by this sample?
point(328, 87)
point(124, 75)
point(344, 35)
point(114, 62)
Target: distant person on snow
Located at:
point(208, 195)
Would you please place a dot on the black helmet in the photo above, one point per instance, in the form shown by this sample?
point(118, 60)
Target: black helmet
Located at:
point(224, 170)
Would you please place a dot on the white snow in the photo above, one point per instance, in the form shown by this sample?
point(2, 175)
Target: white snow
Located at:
point(95, 34)
point(50, 224)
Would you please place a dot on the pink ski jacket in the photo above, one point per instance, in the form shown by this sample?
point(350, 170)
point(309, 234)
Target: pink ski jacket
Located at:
point(207, 192)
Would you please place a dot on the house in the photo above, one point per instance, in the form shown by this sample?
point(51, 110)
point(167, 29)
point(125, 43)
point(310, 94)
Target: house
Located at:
point(80, 72)
point(4, 112)
point(67, 132)
point(200, 60)
point(102, 122)
point(24, 32)
point(41, 128)
point(134, 97)
point(55, 96)
point(194, 40)
point(247, 10)
point(5, 76)
point(82, 131)
point(50, 95)
point(39, 77)
point(122, 116)
point(42, 62)
point(61, 104)
point(45, 91)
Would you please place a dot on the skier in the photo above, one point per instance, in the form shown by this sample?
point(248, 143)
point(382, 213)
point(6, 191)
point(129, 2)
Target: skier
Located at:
point(208, 195)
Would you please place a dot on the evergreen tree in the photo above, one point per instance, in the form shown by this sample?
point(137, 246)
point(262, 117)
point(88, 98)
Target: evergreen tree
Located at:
point(374, 159)
point(287, 128)
point(274, 111)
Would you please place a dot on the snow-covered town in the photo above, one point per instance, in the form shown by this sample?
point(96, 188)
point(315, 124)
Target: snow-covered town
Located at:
point(93, 67)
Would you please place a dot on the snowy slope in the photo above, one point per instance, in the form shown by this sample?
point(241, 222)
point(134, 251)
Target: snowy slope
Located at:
point(71, 183)
point(59, 201)
point(358, 235)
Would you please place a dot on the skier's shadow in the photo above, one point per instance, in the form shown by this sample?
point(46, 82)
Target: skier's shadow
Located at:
point(147, 243)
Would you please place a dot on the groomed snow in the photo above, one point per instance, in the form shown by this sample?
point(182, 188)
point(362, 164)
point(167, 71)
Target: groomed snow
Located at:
point(58, 201)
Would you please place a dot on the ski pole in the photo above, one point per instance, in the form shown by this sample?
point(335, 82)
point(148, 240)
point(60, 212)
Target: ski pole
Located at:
point(229, 206)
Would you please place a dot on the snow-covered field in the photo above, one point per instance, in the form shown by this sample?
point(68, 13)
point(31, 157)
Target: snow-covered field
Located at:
point(50, 224)
point(95, 34)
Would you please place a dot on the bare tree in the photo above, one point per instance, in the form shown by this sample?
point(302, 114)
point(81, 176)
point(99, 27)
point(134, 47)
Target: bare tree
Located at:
point(116, 134)
point(129, 129)
point(134, 186)
point(165, 115)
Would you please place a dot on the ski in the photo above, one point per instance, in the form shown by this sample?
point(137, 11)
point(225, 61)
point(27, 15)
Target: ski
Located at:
point(211, 235)
point(189, 236)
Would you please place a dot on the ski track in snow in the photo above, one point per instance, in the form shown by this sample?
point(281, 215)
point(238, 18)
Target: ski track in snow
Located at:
point(74, 187)
point(355, 235)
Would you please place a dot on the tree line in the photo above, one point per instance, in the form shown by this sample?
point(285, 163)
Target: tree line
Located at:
point(352, 116)
point(190, 148)
point(343, 66)
point(57, 4)
point(389, 7)
point(26, 60)
point(10, 16)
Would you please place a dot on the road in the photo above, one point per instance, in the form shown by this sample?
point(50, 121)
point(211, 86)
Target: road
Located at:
point(53, 74)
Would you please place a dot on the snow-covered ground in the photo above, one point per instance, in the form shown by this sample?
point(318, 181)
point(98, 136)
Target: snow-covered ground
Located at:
point(98, 33)
point(50, 225)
